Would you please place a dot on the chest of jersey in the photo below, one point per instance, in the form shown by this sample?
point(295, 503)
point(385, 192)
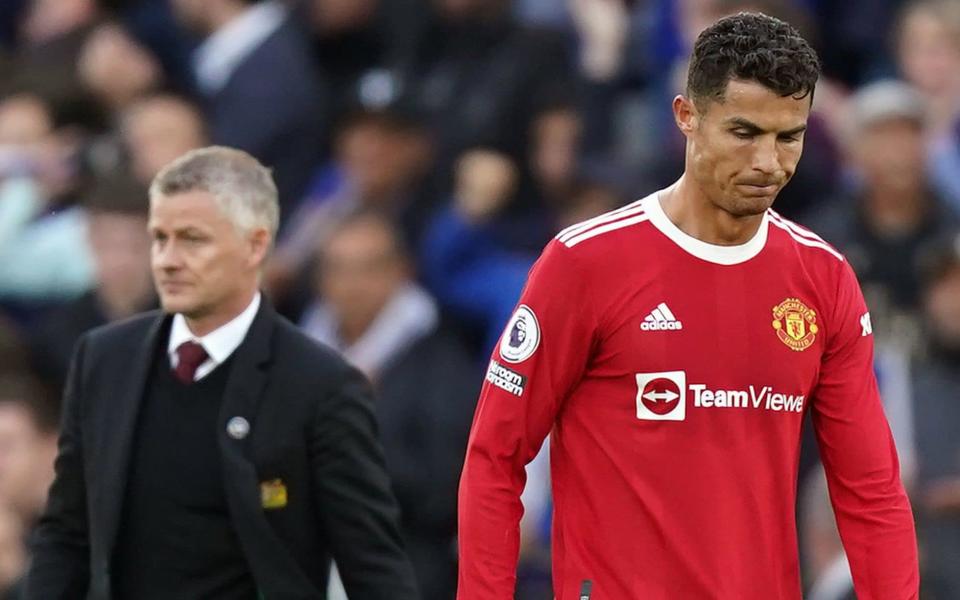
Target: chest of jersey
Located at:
point(710, 344)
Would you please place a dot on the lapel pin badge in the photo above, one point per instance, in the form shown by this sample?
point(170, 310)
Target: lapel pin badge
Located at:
point(273, 494)
point(238, 428)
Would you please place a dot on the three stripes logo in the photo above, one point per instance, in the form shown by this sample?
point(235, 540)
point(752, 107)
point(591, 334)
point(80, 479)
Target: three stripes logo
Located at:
point(661, 319)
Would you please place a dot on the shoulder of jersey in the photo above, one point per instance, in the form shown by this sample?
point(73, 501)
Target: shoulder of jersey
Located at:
point(625, 217)
point(809, 243)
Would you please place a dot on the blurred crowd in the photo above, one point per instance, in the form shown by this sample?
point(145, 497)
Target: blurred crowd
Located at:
point(425, 151)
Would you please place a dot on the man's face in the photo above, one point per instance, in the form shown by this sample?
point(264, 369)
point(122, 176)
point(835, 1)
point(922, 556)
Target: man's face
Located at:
point(360, 271)
point(890, 154)
point(201, 262)
point(743, 149)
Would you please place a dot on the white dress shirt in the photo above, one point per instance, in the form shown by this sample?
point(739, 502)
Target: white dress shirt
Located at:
point(221, 53)
point(219, 343)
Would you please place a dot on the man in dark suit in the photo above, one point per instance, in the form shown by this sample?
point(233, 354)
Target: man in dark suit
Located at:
point(214, 451)
point(255, 67)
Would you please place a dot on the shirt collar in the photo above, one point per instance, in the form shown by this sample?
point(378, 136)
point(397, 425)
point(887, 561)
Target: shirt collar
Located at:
point(224, 50)
point(721, 255)
point(219, 343)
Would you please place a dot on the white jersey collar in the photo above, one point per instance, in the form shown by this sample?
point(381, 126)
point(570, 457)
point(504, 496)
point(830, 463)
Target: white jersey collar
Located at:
point(721, 255)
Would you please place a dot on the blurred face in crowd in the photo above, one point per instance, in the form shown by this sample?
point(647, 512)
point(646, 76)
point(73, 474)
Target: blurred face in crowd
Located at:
point(331, 16)
point(25, 132)
point(24, 121)
point(744, 148)
point(381, 160)
point(121, 254)
point(116, 68)
point(929, 51)
point(486, 181)
point(360, 270)
point(556, 136)
point(194, 14)
point(943, 308)
point(26, 460)
point(158, 130)
point(29, 145)
point(204, 266)
point(46, 19)
point(890, 155)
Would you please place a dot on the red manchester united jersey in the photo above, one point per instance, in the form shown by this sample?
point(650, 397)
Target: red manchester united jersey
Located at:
point(673, 376)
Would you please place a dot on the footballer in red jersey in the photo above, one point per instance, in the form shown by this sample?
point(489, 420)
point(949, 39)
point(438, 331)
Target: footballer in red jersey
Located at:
point(671, 349)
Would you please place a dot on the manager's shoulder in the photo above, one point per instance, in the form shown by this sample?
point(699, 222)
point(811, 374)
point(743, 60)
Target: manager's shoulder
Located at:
point(132, 328)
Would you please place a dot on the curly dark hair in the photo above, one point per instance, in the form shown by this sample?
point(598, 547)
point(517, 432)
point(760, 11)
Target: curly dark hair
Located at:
point(751, 47)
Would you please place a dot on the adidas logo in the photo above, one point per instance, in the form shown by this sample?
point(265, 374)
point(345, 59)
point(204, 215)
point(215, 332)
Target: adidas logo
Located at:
point(661, 319)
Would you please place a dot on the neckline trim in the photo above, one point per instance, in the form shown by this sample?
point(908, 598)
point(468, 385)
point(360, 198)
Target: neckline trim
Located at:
point(721, 255)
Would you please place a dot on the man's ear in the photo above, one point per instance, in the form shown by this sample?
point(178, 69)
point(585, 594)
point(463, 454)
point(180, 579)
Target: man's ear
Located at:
point(260, 240)
point(685, 114)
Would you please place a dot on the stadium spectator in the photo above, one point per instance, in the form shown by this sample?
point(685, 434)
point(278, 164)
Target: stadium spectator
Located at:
point(381, 161)
point(936, 381)
point(883, 221)
point(52, 34)
point(39, 224)
point(927, 39)
point(157, 129)
point(255, 68)
point(116, 215)
point(362, 45)
point(928, 43)
point(116, 69)
point(29, 424)
point(372, 311)
point(478, 75)
point(465, 262)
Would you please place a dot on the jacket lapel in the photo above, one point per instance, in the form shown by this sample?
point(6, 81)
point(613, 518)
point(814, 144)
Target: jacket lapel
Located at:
point(277, 573)
point(117, 438)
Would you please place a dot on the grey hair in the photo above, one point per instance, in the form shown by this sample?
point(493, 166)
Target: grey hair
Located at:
point(243, 188)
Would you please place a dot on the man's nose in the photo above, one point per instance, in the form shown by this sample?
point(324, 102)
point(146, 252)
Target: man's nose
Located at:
point(765, 159)
point(167, 257)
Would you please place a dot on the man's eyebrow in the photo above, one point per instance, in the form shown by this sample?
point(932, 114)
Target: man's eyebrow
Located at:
point(754, 128)
point(745, 124)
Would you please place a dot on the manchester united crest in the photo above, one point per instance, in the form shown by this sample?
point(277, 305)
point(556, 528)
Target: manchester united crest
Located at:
point(795, 324)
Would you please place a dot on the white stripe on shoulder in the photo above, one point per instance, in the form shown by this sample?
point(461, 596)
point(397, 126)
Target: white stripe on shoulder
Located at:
point(806, 241)
point(573, 241)
point(613, 215)
point(797, 229)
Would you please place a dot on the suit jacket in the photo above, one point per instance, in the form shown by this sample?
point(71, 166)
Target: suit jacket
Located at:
point(274, 106)
point(311, 425)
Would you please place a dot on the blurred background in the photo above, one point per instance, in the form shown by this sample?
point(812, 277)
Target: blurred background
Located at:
point(425, 151)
